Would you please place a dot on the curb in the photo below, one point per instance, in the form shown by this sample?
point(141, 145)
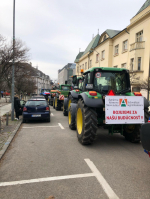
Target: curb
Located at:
point(7, 143)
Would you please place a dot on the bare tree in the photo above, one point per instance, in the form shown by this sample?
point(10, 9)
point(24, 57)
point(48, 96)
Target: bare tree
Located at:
point(134, 78)
point(21, 55)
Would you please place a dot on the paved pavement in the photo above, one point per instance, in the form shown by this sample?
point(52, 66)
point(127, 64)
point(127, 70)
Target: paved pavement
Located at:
point(46, 159)
point(4, 109)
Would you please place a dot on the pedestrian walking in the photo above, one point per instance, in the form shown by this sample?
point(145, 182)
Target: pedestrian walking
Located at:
point(17, 106)
point(2, 93)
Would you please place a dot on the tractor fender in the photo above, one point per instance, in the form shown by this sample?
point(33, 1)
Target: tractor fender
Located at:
point(91, 102)
point(146, 104)
point(66, 104)
point(73, 108)
point(74, 94)
point(145, 136)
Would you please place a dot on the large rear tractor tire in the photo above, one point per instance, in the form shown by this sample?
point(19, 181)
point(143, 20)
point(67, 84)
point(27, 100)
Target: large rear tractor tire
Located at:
point(71, 119)
point(65, 112)
point(54, 103)
point(71, 100)
point(86, 123)
point(57, 104)
point(146, 114)
point(132, 133)
point(51, 103)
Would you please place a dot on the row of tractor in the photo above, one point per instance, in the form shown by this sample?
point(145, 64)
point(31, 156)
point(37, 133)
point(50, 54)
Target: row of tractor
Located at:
point(102, 97)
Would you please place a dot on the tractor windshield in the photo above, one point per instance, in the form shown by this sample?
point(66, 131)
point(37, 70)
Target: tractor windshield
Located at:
point(65, 88)
point(116, 81)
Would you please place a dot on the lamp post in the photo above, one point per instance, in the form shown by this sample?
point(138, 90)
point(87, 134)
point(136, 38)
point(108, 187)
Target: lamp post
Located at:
point(13, 67)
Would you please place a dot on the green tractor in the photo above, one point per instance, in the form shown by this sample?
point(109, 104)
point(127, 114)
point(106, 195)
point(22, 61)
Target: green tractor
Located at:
point(73, 94)
point(53, 93)
point(107, 101)
point(60, 95)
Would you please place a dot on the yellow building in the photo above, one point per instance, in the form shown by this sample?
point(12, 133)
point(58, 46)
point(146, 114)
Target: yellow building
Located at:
point(129, 48)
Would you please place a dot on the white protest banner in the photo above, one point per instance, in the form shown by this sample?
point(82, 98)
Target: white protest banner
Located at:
point(124, 110)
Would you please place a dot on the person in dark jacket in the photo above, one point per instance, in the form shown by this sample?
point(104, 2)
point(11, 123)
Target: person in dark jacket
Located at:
point(17, 106)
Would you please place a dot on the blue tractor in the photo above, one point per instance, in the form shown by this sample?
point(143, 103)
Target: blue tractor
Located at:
point(45, 93)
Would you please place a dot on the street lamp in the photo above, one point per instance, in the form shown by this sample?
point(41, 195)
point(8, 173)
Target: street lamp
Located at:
point(91, 50)
point(13, 67)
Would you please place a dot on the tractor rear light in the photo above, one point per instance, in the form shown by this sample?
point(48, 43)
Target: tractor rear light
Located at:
point(92, 93)
point(111, 93)
point(137, 94)
point(77, 90)
point(24, 109)
point(47, 108)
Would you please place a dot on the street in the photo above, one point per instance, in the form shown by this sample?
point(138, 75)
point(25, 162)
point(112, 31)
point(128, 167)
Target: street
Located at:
point(46, 159)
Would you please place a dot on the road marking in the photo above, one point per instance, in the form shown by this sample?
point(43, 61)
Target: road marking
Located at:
point(61, 126)
point(52, 114)
point(106, 187)
point(27, 127)
point(95, 173)
point(3, 184)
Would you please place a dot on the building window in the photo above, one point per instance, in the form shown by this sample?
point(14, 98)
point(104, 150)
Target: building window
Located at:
point(132, 64)
point(136, 89)
point(139, 63)
point(125, 45)
point(116, 49)
point(77, 69)
point(97, 57)
point(91, 63)
point(82, 66)
point(104, 37)
point(85, 65)
point(139, 36)
point(123, 65)
point(116, 66)
point(103, 54)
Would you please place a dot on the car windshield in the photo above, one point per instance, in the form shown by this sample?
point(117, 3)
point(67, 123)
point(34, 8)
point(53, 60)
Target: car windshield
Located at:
point(105, 81)
point(65, 88)
point(36, 103)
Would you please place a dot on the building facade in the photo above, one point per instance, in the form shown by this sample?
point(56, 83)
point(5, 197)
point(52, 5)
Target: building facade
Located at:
point(42, 81)
point(66, 72)
point(128, 48)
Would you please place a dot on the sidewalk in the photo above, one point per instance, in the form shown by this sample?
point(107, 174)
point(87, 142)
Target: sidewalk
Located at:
point(5, 109)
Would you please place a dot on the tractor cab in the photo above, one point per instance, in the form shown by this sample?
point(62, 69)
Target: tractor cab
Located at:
point(78, 82)
point(104, 80)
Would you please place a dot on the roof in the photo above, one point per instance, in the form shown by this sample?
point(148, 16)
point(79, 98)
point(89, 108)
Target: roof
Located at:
point(112, 33)
point(69, 65)
point(78, 57)
point(105, 69)
point(92, 44)
point(145, 5)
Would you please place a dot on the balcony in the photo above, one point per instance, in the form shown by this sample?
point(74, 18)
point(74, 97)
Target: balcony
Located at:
point(137, 45)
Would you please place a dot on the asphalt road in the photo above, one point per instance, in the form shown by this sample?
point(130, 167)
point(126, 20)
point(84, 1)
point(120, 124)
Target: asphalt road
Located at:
point(46, 159)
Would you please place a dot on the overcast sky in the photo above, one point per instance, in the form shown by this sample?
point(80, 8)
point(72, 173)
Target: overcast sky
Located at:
point(54, 30)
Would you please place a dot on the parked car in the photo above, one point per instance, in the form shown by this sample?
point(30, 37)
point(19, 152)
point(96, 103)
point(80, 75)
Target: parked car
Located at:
point(36, 109)
point(38, 97)
point(6, 93)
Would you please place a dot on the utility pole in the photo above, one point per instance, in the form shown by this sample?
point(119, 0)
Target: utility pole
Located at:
point(13, 67)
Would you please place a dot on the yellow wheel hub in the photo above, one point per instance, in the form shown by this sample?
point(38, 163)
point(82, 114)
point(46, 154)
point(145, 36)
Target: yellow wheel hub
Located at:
point(55, 102)
point(69, 104)
point(79, 121)
point(69, 117)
